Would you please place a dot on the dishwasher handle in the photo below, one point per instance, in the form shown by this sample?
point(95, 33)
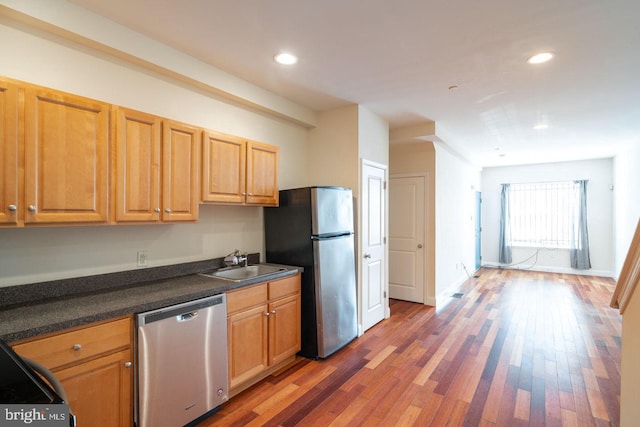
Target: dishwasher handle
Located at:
point(182, 312)
point(187, 316)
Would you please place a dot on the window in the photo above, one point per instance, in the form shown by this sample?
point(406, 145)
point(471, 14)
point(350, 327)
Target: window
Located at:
point(543, 214)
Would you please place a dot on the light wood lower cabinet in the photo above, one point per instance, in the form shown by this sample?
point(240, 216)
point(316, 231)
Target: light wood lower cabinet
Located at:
point(95, 366)
point(99, 391)
point(263, 334)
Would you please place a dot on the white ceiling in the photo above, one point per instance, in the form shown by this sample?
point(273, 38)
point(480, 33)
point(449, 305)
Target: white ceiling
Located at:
point(398, 58)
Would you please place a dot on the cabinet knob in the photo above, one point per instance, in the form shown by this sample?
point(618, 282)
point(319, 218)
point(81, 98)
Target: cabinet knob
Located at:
point(157, 210)
point(251, 194)
point(168, 210)
point(367, 255)
point(127, 364)
point(12, 208)
point(77, 347)
point(419, 245)
point(273, 312)
point(32, 208)
point(267, 314)
point(244, 194)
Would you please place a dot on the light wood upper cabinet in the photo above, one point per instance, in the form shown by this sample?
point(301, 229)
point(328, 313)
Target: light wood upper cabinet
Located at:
point(236, 171)
point(9, 155)
point(136, 166)
point(223, 170)
point(180, 171)
point(262, 174)
point(156, 168)
point(66, 158)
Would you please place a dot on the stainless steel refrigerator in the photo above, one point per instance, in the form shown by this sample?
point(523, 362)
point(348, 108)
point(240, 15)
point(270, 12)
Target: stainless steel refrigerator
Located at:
point(313, 228)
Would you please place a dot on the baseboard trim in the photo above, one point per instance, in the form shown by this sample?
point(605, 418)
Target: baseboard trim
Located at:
point(563, 270)
point(445, 296)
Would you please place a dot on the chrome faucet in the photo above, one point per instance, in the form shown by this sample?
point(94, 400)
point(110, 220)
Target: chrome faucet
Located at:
point(235, 258)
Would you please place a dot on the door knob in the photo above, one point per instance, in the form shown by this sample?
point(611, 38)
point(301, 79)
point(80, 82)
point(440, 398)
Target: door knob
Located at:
point(419, 245)
point(367, 255)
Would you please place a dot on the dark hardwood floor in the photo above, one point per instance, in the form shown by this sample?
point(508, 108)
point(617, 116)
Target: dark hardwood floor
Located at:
point(517, 349)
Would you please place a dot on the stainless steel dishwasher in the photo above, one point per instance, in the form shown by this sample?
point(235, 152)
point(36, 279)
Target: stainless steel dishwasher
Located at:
point(182, 362)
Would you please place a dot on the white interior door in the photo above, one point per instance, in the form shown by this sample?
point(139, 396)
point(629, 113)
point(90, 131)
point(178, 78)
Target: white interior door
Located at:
point(407, 238)
point(373, 254)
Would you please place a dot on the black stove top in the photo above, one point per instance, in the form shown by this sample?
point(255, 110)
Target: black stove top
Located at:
point(19, 383)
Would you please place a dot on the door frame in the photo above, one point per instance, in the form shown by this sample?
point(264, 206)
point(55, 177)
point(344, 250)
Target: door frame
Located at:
point(478, 229)
point(387, 311)
point(425, 177)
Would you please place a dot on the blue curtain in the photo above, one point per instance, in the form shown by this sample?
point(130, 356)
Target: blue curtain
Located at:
point(504, 253)
point(580, 237)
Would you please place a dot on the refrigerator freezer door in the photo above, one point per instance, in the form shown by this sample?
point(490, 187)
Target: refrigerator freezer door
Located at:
point(335, 281)
point(331, 210)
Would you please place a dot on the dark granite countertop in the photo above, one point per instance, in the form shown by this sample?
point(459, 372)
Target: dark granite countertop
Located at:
point(24, 319)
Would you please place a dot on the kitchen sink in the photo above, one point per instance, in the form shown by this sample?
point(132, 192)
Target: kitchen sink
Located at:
point(237, 274)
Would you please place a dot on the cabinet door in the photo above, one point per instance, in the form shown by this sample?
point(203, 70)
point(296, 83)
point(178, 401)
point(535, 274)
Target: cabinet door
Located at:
point(223, 168)
point(284, 328)
point(180, 163)
point(100, 391)
point(262, 174)
point(66, 158)
point(9, 203)
point(247, 341)
point(137, 166)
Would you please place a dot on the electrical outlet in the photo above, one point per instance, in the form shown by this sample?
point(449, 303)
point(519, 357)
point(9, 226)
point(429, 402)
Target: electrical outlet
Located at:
point(143, 258)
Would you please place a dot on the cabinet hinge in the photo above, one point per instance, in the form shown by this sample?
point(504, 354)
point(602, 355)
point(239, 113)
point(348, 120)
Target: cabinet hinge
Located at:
point(385, 294)
point(384, 185)
point(384, 240)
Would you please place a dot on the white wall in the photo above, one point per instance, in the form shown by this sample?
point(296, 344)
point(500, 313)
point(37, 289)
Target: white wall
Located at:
point(627, 213)
point(333, 149)
point(373, 134)
point(341, 139)
point(626, 196)
point(599, 213)
point(456, 184)
point(37, 254)
point(420, 158)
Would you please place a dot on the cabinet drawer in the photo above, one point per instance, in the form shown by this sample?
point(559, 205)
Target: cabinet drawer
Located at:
point(283, 287)
point(75, 346)
point(246, 297)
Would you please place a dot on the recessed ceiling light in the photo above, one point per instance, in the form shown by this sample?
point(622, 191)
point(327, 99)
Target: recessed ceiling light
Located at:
point(541, 126)
point(540, 58)
point(285, 58)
